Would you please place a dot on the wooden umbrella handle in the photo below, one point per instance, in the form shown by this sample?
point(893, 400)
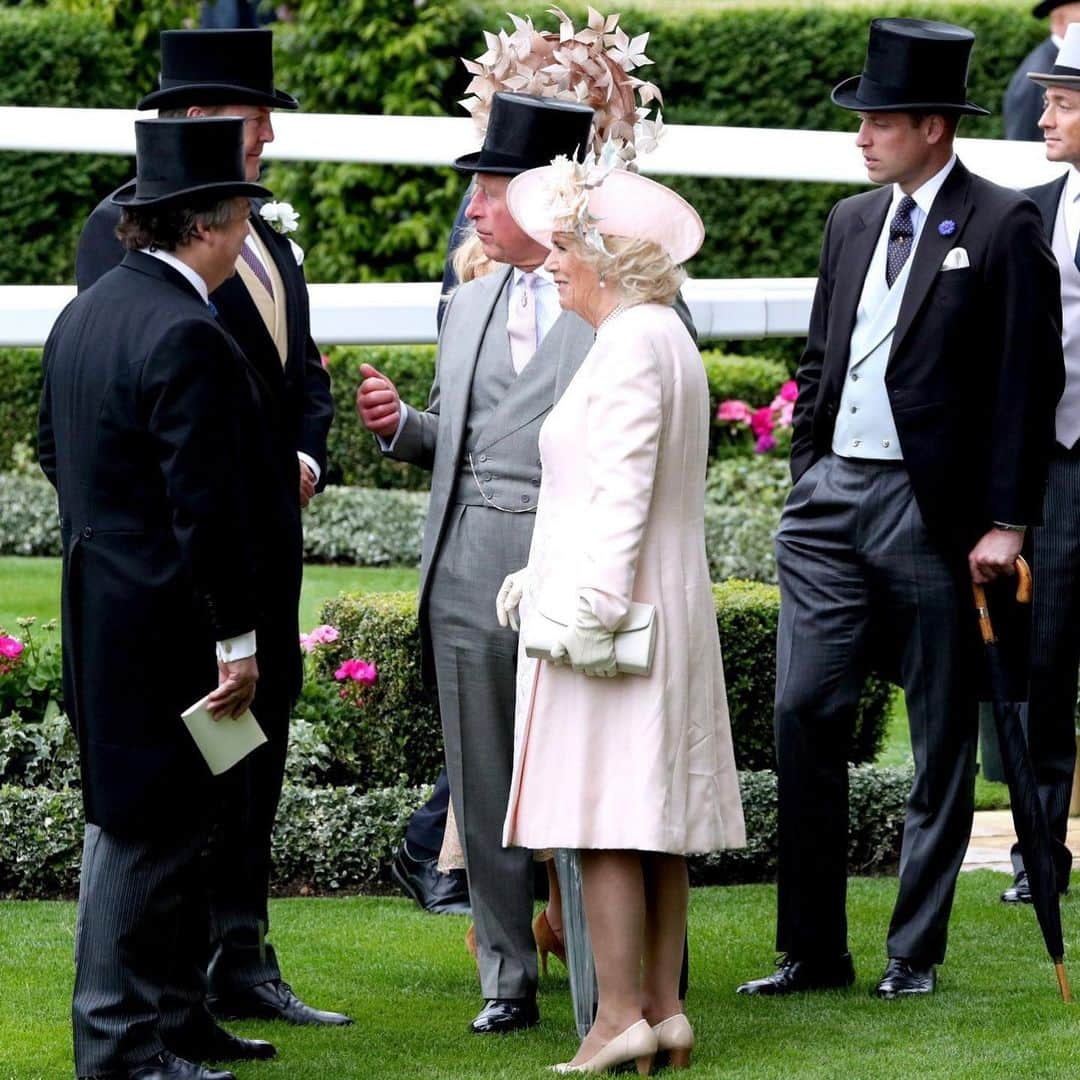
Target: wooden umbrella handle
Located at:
point(1023, 596)
point(1023, 581)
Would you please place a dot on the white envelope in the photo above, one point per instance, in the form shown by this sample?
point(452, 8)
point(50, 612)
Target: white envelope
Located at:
point(957, 259)
point(223, 742)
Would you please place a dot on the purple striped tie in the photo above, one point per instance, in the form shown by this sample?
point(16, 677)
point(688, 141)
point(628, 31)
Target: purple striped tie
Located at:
point(257, 268)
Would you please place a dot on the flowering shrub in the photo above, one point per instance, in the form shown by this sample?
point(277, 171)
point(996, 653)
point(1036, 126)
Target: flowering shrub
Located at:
point(321, 635)
point(766, 426)
point(356, 675)
point(31, 678)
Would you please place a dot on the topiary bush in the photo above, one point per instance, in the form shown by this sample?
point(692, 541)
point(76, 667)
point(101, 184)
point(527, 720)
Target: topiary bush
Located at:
point(365, 527)
point(330, 839)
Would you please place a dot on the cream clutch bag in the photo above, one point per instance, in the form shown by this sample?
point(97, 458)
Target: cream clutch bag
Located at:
point(635, 640)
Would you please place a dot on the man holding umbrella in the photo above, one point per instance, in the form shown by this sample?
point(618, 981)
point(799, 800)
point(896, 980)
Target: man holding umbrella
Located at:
point(919, 455)
point(1055, 642)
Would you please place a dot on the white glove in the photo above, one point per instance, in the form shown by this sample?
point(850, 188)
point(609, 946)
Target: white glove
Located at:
point(509, 596)
point(587, 644)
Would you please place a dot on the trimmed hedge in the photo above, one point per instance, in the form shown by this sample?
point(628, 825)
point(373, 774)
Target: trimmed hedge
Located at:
point(50, 57)
point(354, 458)
point(365, 527)
point(376, 223)
point(383, 629)
point(338, 838)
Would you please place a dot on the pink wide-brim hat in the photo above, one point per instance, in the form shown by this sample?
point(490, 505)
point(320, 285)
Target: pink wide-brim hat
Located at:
point(625, 204)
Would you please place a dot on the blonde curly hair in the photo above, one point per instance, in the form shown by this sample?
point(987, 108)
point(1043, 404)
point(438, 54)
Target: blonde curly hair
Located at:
point(640, 269)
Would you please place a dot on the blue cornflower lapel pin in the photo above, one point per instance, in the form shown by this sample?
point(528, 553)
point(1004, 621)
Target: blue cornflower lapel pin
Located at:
point(947, 227)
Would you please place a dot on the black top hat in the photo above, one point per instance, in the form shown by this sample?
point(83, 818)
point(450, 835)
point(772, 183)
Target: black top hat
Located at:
point(1040, 11)
point(912, 64)
point(525, 132)
point(178, 160)
point(217, 67)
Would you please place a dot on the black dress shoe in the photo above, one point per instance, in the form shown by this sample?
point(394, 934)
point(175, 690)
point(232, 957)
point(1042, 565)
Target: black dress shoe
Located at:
point(793, 975)
point(217, 1044)
point(902, 979)
point(500, 1016)
point(167, 1066)
point(436, 892)
point(273, 1000)
point(1019, 892)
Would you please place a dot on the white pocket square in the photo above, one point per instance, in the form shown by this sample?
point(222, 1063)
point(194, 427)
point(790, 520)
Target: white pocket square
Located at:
point(297, 252)
point(957, 259)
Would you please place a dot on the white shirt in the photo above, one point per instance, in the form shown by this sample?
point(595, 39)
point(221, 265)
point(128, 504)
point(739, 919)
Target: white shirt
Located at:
point(243, 645)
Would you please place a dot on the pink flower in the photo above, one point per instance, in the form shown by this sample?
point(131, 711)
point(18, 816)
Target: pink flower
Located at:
point(787, 413)
point(11, 647)
point(306, 643)
point(325, 360)
point(761, 423)
point(324, 635)
point(358, 671)
point(790, 390)
point(764, 444)
point(733, 411)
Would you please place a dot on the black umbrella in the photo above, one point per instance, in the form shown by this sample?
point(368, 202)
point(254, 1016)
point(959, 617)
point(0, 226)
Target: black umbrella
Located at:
point(1029, 819)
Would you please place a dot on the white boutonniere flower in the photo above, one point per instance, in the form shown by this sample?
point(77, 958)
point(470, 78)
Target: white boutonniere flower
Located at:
point(280, 216)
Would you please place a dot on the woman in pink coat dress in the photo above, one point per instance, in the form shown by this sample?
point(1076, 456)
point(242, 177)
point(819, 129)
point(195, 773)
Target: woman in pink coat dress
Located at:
point(636, 771)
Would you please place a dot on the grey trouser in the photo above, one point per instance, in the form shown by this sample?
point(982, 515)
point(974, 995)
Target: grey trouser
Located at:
point(475, 667)
point(856, 565)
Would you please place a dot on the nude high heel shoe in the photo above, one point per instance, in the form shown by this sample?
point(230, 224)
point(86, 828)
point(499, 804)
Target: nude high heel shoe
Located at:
point(637, 1044)
point(676, 1036)
point(548, 940)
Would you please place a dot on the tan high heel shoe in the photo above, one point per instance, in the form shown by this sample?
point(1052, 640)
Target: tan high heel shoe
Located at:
point(470, 941)
point(676, 1036)
point(637, 1044)
point(548, 940)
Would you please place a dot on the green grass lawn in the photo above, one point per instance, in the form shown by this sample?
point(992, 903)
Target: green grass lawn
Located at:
point(32, 587)
point(407, 980)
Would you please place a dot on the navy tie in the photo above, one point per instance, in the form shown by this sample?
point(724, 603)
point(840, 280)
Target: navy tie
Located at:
point(901, 237)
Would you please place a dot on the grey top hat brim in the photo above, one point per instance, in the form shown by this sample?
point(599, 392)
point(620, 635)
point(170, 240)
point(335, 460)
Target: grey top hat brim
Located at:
point(845, 95)
point(1048, 78)
point(225, 189)
point(216, 94)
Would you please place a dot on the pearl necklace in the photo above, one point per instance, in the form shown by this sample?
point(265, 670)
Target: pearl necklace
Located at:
point(618, 309)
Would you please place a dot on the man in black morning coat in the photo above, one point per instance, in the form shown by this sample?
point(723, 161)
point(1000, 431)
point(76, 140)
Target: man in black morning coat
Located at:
point(165, 448)
point(919, 455)
point(264, 306)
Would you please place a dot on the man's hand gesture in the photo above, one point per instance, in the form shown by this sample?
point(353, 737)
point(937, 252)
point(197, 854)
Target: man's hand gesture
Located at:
point(377, 403)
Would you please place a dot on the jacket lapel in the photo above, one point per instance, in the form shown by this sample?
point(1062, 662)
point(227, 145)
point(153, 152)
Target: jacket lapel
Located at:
point(458, 356)
point(854, 265)
point(281, 252)
point(1047, 197)
point(533, 391)
point(952, 205)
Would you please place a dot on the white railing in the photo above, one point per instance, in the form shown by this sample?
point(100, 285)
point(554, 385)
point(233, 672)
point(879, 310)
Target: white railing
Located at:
point(685, 150)
point(405, 314)
point(373, 314)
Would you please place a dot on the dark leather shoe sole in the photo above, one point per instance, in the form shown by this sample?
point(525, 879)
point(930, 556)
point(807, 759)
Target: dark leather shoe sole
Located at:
point(785, 981)
point(504, 1021)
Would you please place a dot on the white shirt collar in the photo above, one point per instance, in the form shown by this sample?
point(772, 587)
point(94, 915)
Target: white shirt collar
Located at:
point(182, 268)
point(925, 195)
point(543, 275)
point(1057, 40)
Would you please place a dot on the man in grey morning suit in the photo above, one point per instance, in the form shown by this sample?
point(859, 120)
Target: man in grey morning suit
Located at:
point(920, 444)
point(479, 436)
point(1055, 643)
point(1023, 103)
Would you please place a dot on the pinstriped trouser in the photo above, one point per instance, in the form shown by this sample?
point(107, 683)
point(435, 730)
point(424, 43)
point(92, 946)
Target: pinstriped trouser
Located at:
point(1055, 651)
point(139, 928)
point(854, 560)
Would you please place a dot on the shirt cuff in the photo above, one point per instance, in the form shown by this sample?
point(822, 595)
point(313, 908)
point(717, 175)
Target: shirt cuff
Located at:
point(236, 648)
point(389, 444)
point(1009, 528)
point(311, 463)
